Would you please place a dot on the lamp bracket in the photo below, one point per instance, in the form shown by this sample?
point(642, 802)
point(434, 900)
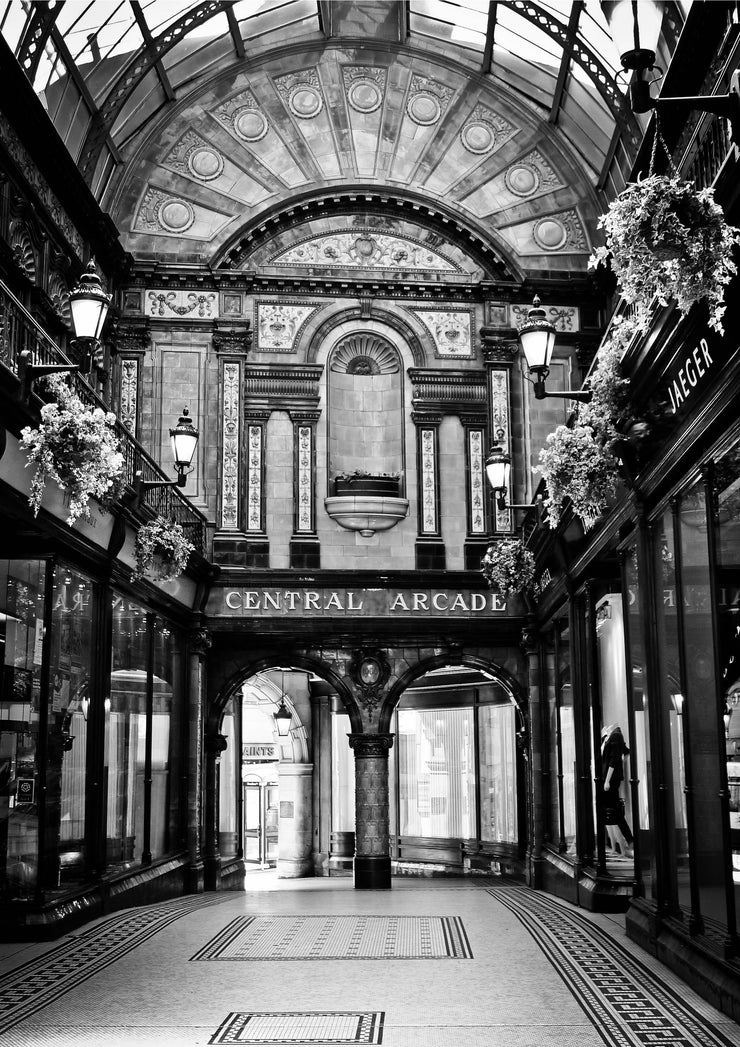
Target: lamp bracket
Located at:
point(727, 105)
point(142, 486)
point(581, 395)
point(28, 372)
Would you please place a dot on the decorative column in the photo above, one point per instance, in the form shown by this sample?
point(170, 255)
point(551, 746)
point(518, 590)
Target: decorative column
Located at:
point(476, 540)
point(500, 349)
point(131, 340)
point(535, 792)
point(215, 744)
point(199, 642)
point(295, 826)
point(430, 550)
point(305, 551)
point(232, 345)
point(372, 865)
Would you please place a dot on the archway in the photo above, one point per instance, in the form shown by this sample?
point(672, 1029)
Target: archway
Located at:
point(458, 782)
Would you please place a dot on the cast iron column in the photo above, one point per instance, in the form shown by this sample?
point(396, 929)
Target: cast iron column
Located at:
point(530, 646)
point(198, 643)
point(372, 853)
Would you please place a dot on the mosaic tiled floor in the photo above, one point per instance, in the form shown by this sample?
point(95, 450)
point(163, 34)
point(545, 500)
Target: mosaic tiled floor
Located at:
point(628, 1004)
point(33, 985)
point(288, 1027)
point(339, 938)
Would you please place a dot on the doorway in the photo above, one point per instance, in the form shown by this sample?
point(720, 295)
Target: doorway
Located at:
point(261, 823)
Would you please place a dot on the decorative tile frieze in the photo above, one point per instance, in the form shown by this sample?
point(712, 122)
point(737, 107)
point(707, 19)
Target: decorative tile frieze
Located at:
point(476, 483)
point(428, 465)
point(350, 249)
point(364, 86)
point(194, 157)
point(255, 481)
point(565, 318)
point(230, 437)
point(279, 325)
point(129, 396)
point(185, 305)
point(40, 186)
point(450, 329)
point(302, 93)
point(485, 129)
point(427, 100)
point(304, 443)
point(500, 408)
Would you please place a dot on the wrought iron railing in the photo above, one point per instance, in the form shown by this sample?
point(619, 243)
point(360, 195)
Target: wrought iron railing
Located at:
point(713, 145)
point(19, 332)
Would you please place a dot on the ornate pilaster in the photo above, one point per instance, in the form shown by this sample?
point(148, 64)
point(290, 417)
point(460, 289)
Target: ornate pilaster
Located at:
point(230, 443)
point(535, 791)
point(130, 342)
point(372, 864)
point(258, 549)
point(476, 539)
point(305, 551)
point(430, 550)
point(199, 641)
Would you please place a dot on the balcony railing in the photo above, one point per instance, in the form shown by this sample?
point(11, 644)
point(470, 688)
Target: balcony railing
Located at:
point(19, 332)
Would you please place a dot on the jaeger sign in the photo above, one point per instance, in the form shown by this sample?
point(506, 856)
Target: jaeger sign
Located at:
point(301, 602)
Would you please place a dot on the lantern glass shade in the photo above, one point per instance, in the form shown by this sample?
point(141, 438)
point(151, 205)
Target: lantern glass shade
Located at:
point(498, 469)
point(283, 719)
point(538, 341)
point(635, 30)
point(89, 305)
point(184, 439)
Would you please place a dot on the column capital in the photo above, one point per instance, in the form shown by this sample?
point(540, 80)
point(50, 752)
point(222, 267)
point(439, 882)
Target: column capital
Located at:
point(199, 641)
point(371, 745)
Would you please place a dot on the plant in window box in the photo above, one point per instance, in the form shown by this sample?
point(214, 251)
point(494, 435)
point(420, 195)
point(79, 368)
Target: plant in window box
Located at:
point(162, 550)
point(77, 446)
point(509, 567)
point(360, 482)
point(667, 240)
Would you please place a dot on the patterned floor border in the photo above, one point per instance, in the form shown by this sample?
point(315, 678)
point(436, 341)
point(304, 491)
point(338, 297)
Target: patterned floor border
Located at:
point(335, 937)
point(28, 988)
point(628, 1004)
point(289, 1027)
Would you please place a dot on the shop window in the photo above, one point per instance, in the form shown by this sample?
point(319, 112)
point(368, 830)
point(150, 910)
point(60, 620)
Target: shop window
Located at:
point(726, 483)
point(640, 756)
point(497, 755)
point(342, 775)
point(67, 727)
point(22, 596)
point(166, 734)
point(669, 620)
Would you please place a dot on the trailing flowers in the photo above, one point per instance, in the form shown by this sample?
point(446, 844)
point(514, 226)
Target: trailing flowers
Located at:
point(577, 462)
point(666, 239)
point(162, 551)
point(77, 446)
point(509, 567)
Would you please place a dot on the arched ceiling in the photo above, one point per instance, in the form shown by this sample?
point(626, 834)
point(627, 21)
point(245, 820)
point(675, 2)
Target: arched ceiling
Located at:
point(204, 127)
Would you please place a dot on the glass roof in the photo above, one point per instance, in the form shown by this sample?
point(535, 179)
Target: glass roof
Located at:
point(105, 68)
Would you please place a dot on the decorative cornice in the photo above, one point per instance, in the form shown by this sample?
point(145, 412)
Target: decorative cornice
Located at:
point(451, 391)
point(131, 335)
point(499, 344)
point(270, 385)
point(236, 338)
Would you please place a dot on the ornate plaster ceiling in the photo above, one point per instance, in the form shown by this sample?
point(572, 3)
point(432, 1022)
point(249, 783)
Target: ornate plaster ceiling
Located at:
point(467, 140)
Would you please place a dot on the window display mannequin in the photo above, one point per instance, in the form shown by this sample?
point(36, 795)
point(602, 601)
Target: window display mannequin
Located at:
point(613, 750)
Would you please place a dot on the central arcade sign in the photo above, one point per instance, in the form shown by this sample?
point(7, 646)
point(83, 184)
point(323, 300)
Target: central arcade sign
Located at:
point(299, 602)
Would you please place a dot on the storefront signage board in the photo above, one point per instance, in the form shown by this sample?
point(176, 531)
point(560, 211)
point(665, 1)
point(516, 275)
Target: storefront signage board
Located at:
point(698, 360)
point(300, 602)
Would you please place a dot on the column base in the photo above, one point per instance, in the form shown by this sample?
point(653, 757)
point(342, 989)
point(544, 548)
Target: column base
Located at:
point(372, 874)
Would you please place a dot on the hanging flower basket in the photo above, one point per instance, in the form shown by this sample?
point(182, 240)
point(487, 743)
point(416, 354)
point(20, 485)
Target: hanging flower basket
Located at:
point(509, 567)
point(577, 466)
point(77, 446)
point(666, 239)
point(162, 551)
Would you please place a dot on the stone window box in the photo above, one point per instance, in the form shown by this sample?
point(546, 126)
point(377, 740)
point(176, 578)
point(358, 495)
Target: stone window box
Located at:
point(366, 513)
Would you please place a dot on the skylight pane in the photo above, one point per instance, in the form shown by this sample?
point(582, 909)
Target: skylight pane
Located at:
point(13, 21)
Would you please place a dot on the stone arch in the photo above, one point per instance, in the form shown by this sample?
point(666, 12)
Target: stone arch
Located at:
point(228, 688)
point(359, 317)
point(504, 677)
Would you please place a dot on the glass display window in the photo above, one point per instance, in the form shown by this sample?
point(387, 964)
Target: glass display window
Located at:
point(22, 602)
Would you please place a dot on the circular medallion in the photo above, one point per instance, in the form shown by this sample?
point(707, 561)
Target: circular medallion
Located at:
point(550, 234)
point(205, 164)
point(364, 96)
point(176, 216)
point(305, 101)
point(369, 670)
point(522, 179)
point(250, 125)
point(477, 137)
point(424, 109)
